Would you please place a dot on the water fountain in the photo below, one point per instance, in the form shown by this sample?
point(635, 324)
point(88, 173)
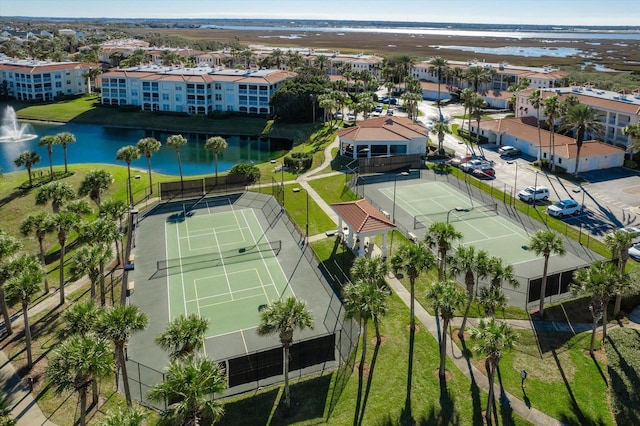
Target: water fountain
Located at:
point(12, 131)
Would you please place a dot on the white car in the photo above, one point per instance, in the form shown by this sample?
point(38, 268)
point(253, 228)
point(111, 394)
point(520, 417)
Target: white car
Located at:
point(534, 194)
point(472, 165)
point(351, 116)
point(634, 252)
point(508, 151)
point(631, 230)
point(429, 124)
point(564, 208)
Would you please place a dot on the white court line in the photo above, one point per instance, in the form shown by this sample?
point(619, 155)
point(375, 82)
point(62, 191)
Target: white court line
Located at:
point(184, 296)
point(166, 252)
point(224, 268)
point(234, 331)
point(234, 300)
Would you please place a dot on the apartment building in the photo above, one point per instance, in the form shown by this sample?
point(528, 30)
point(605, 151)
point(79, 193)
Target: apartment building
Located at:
point(29, 80)
point(199, 90)
point(615, 110)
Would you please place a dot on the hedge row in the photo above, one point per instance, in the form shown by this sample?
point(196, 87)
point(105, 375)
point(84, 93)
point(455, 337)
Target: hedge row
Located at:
point(623, 363)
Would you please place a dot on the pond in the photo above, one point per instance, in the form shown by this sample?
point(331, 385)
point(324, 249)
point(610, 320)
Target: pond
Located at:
point(99, 144)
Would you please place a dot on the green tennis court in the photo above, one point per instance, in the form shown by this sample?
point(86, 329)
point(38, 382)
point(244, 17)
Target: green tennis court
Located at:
point(220, 266)
point(431, 202)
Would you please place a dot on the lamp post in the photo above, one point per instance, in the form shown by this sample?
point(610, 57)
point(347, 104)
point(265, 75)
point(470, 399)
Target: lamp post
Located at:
point(296, 190)
point(456, 209)
point(129, 191)
point(395, 181)
point(515, 181)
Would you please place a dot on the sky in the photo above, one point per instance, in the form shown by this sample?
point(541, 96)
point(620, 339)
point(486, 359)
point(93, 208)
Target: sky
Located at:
point(540, 12)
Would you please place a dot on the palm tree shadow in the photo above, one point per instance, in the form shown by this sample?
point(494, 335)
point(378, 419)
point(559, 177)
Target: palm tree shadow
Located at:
point(369, 380)
point(475, 390)
point(342, 376)
point(506, 411)
point(576, 413)
point(406, 416)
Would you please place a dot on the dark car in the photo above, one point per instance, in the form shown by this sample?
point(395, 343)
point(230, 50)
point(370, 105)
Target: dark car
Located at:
point(484, 173)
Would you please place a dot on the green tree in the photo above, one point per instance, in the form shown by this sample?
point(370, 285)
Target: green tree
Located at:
point(28, 159)
point(363, 301)
point(545, 243)
point(90, 261)
point(216, 144)
point(147, 146)
point(466, 98)
point(441, 236)
point(477, 75)
point(535, 99)
point(55, 192)
point(583, 120)
point(76, 363)
point(5, 413)
point(633, 130)
point(600, 282)
point(176, 142)
point(9, 246)
point(491, 299)
point(618, 244)
point(474, 265)
point(128, 154)
point(63, 224)
point(22, 286)
point(283, 317)
point(439, 65)
point(249, 171)
point(64, 139)
point(184, 336)
point(189, 387)
point(445, 298)
point(49, 141)
point(94, 184)
point(133, 416)
point(412, 259)
point(492, 338)
point(440, 128)
point(38, 224)
point(476, 111)
point(500, 273)
point(552, 109)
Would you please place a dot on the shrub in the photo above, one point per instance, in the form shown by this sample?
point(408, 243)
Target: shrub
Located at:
point(631, 164)
point(252, 173)
point(298, 160)
point(623, 363)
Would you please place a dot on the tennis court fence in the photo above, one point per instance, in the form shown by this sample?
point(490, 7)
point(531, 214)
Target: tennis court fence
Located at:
point(455, 215)
point(242, 254)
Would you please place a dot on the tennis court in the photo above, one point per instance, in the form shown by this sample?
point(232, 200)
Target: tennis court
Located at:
point(220, 266)
point(481, 226)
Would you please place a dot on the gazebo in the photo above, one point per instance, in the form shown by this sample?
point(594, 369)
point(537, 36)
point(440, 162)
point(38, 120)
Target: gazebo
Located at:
point(359, 220)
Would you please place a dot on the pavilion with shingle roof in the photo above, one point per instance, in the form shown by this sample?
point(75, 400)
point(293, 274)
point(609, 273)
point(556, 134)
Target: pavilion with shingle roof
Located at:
point(359, 220)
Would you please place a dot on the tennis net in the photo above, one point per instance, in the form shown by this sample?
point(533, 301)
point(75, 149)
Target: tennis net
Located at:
point(455, 215)
point(242, 254)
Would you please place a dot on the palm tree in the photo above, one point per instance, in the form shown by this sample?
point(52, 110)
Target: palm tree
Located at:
point(9, 246)
point(28, 159)
point(501, 273)
point(466, 97)
point(618, 244)
point(128, 154)
point(441, 235)
point(276, 57)
point(440, 128)
point(189, 387)
point(133, 416)
point(147, 146)
point(22, 286)
point(117, 324)
point(176, 142)
point(5, 413)
point(76, 363)
point(94, 184)
point(477, 75)
point(412, 259)
point(633, 130)
point(545, 243)
point(64, 139)
point(114, 210)
point(184, 336)
point(216, 144)
point(552, 108)
point(101, 231)
point(40, 225)
point(445, 298)
point(492, 339)
point(410, 101)
point(440, 65)
point(491, 299)
point(369, 269)
point(57, 192)
point(535, 99)
point(474, 265)
point(600, 281)
point(49, 141)
point(322, 62)
point(90, 260)
point(283, 317)
point(476, 111)
point(583, 119)
point(63, 224)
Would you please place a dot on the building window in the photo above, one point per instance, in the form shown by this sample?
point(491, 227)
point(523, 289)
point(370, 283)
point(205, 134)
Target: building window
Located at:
point(218, 86)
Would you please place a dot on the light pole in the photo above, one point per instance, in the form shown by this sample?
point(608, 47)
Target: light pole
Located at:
point(129, 191)
point(298, 189)
point(515, 181)
point(456, 209)
point(395, 181)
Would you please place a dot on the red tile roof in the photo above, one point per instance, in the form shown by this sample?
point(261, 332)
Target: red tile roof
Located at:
point(389, 128)
point(362, 217)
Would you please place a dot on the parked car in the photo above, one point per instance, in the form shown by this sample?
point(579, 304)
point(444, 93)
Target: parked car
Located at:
point(455, 162)
point(631, 230)
point(429, 124)
point(393, 101)
point(351, 116)
point(378, 108)
point(508, 151)
point(564, 208)
point(339, 116)
point(471, 165)
point(390, 111)
point(484, 173)
point(530, 194)
point(634, 252)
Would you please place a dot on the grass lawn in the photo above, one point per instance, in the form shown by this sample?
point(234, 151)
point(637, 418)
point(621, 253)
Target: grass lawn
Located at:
point(296, 205)
point(332, 189)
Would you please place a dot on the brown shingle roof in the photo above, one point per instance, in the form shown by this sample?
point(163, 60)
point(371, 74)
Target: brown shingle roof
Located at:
point(362, 217)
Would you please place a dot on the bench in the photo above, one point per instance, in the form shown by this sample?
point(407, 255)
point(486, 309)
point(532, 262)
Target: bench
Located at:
point(413, 237)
